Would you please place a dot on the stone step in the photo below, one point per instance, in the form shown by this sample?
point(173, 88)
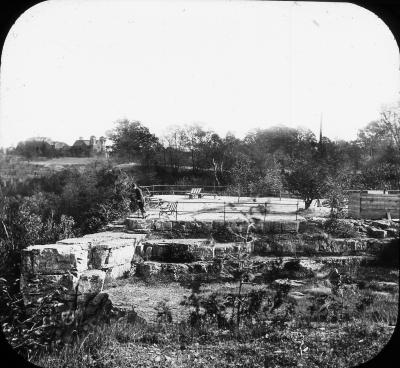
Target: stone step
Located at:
point(319, 244)
point(188, 250)
point(174, 271)
point(259, 266)
point(115, 227)
point(178, 250)
point(196, 226)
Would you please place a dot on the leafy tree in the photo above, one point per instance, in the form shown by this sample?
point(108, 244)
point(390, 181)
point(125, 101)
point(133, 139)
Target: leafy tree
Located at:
point(308, 181)
point(33, 149)
point(268, 184)
point(134, 141)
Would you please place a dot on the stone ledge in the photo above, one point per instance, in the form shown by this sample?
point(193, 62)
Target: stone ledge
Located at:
point(179, 250)
point(54, 259)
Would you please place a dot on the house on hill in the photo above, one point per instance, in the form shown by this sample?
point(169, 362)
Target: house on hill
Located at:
point(89, 147)
point(45, 147)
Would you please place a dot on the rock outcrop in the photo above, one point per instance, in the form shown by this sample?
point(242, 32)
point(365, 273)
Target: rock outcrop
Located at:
point(76, 268)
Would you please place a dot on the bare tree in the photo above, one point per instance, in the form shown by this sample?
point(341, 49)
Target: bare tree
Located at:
point(390, 120)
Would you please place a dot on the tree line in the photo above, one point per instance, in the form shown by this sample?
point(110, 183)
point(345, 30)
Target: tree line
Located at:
point(270, 160)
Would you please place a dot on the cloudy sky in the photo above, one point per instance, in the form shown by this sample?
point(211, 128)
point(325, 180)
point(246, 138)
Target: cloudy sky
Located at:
point(73, 68)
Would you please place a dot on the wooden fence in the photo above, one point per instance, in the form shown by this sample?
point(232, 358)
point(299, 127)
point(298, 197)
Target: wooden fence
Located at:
point(373, 205)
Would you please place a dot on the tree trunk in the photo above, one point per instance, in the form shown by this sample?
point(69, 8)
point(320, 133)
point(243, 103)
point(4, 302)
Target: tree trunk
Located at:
point(307, 202)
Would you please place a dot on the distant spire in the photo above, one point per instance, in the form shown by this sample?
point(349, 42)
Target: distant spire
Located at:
point(320, 143)
point(320, 130)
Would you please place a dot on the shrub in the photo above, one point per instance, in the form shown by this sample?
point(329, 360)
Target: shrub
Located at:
point(340, 228)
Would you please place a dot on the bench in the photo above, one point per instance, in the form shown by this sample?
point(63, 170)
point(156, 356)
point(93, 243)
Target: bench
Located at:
point(195, 193)
point(168, 208)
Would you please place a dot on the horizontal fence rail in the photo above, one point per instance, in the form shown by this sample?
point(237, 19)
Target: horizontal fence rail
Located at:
point(245, 208)
point(222, 190)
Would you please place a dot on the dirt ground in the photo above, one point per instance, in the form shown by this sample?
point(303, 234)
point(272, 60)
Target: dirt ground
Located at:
point(145, 298)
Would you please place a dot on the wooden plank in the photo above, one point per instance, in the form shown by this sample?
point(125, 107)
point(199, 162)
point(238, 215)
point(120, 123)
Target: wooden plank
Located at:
point(391, 197)
point(364, 204)
point(381, 203)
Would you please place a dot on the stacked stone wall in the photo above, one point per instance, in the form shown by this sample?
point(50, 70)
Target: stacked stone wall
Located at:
point(76, 268)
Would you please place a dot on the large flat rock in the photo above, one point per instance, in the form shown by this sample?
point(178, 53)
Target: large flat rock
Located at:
point(113, 235)
point(84, 243)
point(54, 259)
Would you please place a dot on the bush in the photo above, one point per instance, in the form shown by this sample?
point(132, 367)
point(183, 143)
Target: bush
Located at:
point(340, 228)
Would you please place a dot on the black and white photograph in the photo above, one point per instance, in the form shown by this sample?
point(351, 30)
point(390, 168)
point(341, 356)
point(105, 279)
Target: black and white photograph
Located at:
point(195, 184)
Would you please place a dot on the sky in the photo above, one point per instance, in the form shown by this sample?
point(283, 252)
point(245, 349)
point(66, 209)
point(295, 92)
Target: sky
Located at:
point(72, 69)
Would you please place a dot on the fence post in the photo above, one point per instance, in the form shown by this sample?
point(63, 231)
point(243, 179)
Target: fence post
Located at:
point(176, 212)
point(265, 213)
point(224, 213)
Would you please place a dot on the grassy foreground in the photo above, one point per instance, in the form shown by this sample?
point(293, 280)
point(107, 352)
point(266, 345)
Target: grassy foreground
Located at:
point(344, 329)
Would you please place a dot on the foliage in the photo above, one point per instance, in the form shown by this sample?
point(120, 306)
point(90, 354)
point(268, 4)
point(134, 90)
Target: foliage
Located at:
point(242, 174)
point(340, 229)
point(268, 184)
point(132, 140)
point(42, 330)
point(307, 180)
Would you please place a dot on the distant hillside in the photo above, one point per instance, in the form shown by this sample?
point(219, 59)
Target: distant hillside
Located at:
point(16, 168)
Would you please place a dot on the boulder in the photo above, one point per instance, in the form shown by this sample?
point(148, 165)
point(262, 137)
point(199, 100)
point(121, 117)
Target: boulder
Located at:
point(90, 284)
